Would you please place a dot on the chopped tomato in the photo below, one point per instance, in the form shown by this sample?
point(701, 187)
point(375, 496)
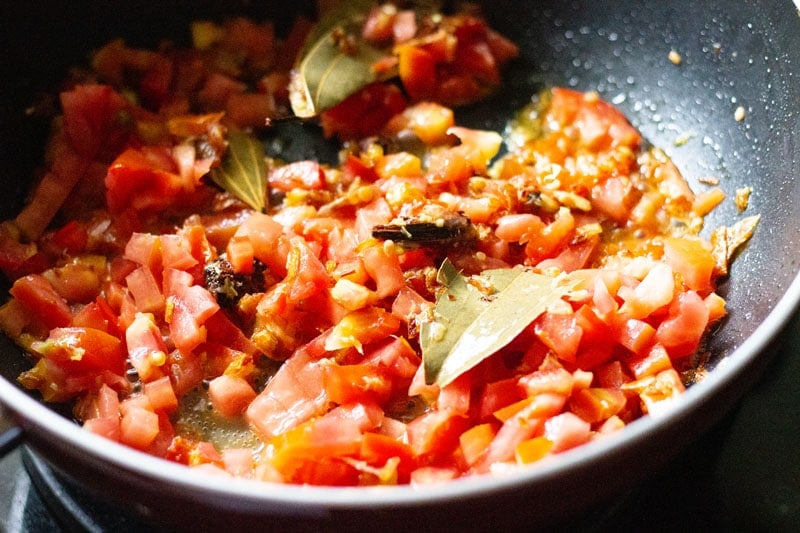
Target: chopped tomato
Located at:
point(291, 397)
point(138, 427)
point(230, 395)
point(83, 349)
point(363, 113)
point(355, 383)
point(37, 295)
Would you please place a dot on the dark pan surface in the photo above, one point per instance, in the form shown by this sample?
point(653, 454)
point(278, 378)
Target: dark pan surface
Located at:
point(744, 53)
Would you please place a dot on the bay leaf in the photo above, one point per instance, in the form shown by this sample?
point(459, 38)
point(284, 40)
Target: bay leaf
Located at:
point(326, 72)
point(243, 171)
point(470, 323)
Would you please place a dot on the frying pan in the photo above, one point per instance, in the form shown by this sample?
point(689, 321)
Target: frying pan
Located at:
point(742, 53)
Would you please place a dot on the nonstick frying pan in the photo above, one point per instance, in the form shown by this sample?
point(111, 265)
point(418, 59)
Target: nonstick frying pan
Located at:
point(734, 54)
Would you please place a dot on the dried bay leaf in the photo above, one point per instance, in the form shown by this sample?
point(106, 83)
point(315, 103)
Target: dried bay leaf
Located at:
point(335, 61)
point(243, 171)
point(475, 317)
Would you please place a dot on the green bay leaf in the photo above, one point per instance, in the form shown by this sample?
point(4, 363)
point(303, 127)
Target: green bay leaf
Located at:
point(243, 171)
point(470, 323)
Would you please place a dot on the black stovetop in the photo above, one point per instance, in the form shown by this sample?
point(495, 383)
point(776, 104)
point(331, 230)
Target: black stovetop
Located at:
point(744, 475)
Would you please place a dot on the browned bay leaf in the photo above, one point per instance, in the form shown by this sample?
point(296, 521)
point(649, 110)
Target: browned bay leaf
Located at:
point(243, 171)
point(475, 317)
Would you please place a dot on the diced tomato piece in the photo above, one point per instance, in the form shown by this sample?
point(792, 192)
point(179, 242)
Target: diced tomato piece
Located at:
point(315, 440)
point(428, 120)
point(144, 249)
point(291, 397)
point(363, 113)
point(145, 290)
point(515, 430)
point(138, 427)
point(240, 254)
point(92, 118)
point(561, 333)
point(71, 237)
point(655, 360)
point(298, 175)
point(417, 70)
point(555, 380)
point(355, 383)
point(427, 475)
point(230, 395)
point(161, 394)
point(83, 349)
point(475, 442)
point(37, 295)
point(655, 290)
point(597, 404)
point(383, 267)
point(688, 319)
point(177, 252)
point(378, 450)
point(436, 433)
point(378, 26)
point(520, 227)
point(143, 178)
point(146, 348)
point(497, 395)
point(361, 327)
point(186, 371)
point(395, 356)
point(566, 431)
point(636, 335)
point(105, 427)
point(270, 245)
point(455, 396)
point(692, 259)
point(306, 274)
point(249, 110)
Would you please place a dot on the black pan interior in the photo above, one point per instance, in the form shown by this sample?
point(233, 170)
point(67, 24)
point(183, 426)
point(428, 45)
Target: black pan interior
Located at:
point(744, 55)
